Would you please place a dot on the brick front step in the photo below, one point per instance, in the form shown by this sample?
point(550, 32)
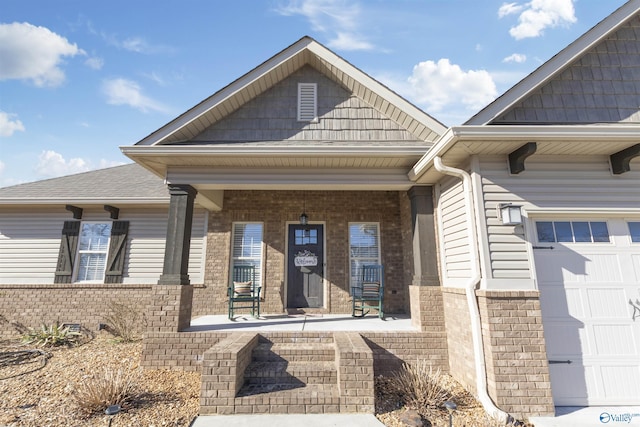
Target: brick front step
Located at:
point(297, 338)
point(321, 352)
point(310, 399)
point(249, 373)
point(272, 372)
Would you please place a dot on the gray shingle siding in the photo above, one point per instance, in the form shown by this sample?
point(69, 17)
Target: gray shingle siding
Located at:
point(603, 86)
point(272, 116)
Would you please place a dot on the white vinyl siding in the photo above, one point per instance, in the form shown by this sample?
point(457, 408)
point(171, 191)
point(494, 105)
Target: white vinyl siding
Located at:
point(581, 184)
point(307, 102)
point(246, 247)
point(30, 242)
point(454, 241)
point(364, 247)
point(29, 246)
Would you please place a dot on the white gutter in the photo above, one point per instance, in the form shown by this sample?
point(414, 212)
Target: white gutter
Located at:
point(279, 151)
point(470, 287)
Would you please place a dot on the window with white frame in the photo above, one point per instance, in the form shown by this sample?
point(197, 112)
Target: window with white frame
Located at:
point(246, 248)
point(634, 231)
point(572, 231)
point(364, 247)
point(93, 248)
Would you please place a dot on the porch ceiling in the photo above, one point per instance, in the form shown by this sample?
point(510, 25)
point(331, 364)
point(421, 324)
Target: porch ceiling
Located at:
point(571, 141)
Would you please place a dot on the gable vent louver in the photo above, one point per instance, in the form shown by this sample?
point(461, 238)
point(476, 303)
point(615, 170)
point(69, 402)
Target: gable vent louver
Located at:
point(307, 102)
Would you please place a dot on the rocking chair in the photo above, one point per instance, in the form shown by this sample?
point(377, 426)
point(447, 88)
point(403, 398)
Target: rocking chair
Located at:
point(244, 292)
point(368, 292)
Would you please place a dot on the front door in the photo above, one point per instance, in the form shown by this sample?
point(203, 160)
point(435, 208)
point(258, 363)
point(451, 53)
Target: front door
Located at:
point(306, 266)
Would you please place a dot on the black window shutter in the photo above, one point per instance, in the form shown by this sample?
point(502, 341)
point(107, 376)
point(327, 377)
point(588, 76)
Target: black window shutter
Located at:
point(67, 254)
point(117, 250)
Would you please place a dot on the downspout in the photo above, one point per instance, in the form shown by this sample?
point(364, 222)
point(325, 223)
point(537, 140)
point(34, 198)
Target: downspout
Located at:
point(470, 288)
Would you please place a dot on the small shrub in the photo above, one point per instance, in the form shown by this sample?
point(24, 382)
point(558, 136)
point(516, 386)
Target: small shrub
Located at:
point(422, 387)
point(107, 387)
point(125, 321)
point(53, 335)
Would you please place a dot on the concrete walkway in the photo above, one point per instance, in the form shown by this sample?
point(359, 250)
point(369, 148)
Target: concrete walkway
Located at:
point(592, 416)
point(288, 420)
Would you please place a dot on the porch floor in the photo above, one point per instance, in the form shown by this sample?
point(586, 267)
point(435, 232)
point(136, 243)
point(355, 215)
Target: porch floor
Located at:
point(302, 322)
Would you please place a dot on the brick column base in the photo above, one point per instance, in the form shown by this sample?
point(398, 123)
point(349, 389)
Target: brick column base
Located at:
point(427, 312)
point(170, 308)
point(515, 352)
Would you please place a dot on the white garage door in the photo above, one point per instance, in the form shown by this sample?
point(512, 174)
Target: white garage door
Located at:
point(590, 298)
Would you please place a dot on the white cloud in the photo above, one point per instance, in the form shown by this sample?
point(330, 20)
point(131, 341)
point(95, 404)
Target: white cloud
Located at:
point(516, 57)
point(441, 84)
point(52, 164)
point(127, 92)
point(8, 125)
point(509, 9)
point(2, 166)
point(538, 15)
point(341, 19)
point(33, 53)
point(347, 41)
point(94, 62)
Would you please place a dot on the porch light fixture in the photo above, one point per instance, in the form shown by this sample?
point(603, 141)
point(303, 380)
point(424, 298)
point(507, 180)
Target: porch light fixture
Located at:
point(510, 214)
point(304, 219)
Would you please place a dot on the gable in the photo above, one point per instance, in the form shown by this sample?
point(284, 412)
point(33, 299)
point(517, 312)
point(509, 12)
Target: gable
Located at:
point(271, 117)
point(602, 86)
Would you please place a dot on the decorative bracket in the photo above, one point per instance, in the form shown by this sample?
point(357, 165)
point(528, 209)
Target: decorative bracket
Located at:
point(77, 212)
point(620, 160)
point(517, 157)
point(112, 210)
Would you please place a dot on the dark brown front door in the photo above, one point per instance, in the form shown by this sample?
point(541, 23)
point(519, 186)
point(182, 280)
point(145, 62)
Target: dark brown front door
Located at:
point(306, 266)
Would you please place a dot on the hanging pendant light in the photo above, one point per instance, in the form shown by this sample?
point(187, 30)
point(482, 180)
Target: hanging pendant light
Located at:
point(304, 219)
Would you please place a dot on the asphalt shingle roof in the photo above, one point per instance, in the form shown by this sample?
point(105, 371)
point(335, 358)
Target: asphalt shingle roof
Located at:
point(126, 182)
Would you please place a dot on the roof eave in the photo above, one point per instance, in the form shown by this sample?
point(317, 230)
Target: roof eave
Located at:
point(511, 133)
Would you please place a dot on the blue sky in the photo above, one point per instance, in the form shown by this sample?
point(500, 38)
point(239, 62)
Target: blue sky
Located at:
point(80, 78)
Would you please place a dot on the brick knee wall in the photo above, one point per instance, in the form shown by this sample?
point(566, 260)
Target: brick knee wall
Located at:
point(515, 352)
point(34, 305)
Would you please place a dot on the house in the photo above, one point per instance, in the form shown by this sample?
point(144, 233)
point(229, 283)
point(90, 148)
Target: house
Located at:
point(527, 309)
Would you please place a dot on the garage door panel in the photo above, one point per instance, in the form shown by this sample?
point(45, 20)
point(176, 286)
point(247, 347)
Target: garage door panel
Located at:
point(635, 263)
point(602, 267)
point(570, 381)
point(562, 303)
point(614, 340)
point(621, 382)
point(607, 302)
point(566, 341)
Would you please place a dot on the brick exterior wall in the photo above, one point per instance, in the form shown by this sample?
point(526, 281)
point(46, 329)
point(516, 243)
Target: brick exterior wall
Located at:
point(335, 209)
point(34, 305)
point(460, 343)
point(515, 352)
